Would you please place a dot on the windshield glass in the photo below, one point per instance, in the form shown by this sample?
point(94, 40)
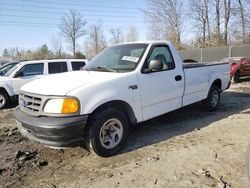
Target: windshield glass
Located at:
point(5, 68)
point(120, 58)
point(11, 70)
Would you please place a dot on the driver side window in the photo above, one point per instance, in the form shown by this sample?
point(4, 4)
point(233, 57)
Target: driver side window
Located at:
point(162, 54)
point(30, 70)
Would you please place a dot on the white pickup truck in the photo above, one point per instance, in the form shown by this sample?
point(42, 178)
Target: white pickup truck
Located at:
point(122, 86)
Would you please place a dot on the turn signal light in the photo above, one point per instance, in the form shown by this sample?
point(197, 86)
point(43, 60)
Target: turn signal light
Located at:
point(70, 106)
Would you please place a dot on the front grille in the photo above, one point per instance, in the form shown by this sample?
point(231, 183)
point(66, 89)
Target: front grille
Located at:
point(30, 103)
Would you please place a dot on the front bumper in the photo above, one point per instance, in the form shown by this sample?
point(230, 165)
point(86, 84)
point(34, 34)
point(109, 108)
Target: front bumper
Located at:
point(52, 131)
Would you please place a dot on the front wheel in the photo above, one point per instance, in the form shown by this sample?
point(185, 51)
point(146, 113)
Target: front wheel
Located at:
point(4, 99)
point(212, 101)
point(108, 132)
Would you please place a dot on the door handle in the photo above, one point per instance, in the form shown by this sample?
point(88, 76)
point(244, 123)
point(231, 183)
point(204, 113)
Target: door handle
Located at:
point(178, 78)
point(133, 87)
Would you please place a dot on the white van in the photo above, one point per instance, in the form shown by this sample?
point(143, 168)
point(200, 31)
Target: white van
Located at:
point(26, 71)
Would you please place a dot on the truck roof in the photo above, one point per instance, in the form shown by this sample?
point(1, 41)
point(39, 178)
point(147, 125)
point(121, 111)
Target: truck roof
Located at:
point(147, 42)
point(50, 60)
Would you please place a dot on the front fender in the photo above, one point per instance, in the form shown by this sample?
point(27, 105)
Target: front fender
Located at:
point(96, 94)
point(97, 100)
point(7, 88)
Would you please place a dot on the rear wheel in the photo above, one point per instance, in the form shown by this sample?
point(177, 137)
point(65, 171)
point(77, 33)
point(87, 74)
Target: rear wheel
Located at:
point(212, 101)
point(108, 132)
point(236, 77)
point(4, 99)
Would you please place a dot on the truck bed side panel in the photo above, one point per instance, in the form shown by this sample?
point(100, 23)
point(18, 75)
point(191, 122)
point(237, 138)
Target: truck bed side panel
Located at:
point(199, 80)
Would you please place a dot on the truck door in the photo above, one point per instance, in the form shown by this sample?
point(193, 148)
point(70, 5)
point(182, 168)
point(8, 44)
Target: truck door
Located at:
point(162, 90)
point(27, 74)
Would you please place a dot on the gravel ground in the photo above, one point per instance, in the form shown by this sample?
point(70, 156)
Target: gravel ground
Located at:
point(186, 148)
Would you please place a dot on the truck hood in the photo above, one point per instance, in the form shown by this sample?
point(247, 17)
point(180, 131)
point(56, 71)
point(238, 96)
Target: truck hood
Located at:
point(63, 83)
point(4, 78)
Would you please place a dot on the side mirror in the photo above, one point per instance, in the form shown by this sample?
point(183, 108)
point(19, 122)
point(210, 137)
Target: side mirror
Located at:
point(18, 74)
point(154, 66)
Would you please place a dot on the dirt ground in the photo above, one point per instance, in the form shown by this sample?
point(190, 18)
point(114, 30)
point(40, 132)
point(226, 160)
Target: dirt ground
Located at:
point(186, 148)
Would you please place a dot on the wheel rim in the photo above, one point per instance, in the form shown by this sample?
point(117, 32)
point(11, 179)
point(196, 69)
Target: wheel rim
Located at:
point(111, 133)
point(215, 98)
point(2, 101)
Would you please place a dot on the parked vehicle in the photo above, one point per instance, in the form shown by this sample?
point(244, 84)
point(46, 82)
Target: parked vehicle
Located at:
point(15, 75)
point(2, 63)
point(6, 67)
point(239, 67)
point(122, 86)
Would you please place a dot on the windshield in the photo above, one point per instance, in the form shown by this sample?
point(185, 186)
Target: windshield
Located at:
point(120, 58)
point(11, 70)
point(5, 68)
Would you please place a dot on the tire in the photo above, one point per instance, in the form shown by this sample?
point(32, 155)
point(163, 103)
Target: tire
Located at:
point(236, 77)
point(212, 101)
point(108, 131)
point(4, 99)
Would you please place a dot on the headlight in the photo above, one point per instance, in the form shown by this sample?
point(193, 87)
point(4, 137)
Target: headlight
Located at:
point(62, 106)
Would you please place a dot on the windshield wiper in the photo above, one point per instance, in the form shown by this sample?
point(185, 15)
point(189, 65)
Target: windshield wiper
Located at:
point(102, 68)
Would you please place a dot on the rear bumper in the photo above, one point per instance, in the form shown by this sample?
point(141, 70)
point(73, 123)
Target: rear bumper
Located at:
point(52, 131)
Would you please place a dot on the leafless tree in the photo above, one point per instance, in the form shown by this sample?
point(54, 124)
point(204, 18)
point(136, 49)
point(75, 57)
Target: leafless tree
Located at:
point(116, 36)
point(207, 2)
point(132, 34)
point(218, 33)
point(72, 27)
point(227, 14)
point(57, 47)
point(96, 41)
point(243, 21)
point(198, 14)
point(170, 14)
point(156, 29)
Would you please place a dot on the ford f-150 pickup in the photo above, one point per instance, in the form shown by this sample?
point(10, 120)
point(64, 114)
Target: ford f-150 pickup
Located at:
point(122, 86)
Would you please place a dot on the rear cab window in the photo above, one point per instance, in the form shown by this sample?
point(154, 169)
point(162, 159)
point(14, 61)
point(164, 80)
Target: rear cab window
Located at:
point(57, 67)
point(77, 65)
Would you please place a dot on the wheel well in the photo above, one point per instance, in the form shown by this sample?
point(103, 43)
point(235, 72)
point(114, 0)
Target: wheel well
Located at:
point(121, 105)
point(4, 90)
point(217, 83)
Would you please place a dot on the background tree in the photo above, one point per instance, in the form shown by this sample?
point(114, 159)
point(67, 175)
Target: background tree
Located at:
point(80, 55)
point(43, 53)
point(6, 52)
point(218, 33)
point(132, 34)
point(207, 8)
point(72, 27)
point(169, 13)
point(96, 41)
point(199, 19)
point(57, 46)
point(243, 21)
point(116, 36)
point(227, 14)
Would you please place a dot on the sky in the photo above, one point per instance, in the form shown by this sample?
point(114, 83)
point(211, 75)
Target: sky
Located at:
point(28, 24)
